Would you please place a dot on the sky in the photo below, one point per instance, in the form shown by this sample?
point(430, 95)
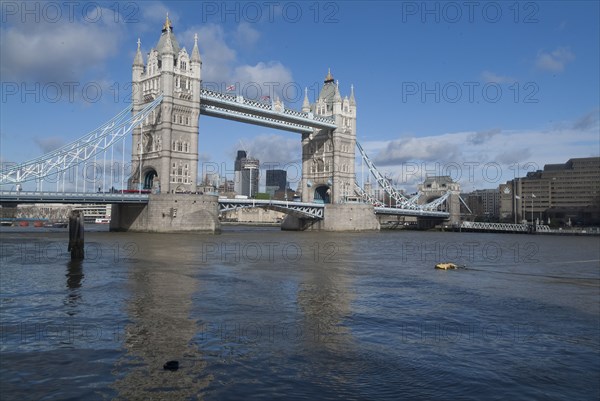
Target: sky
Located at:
point(481, 91)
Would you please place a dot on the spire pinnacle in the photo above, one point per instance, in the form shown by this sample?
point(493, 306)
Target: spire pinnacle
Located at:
point(167, 25)
point(352, 99)
point(329, 77)
point(195, 51)
point(306, 103)
point(336, 95)
point(138, 60)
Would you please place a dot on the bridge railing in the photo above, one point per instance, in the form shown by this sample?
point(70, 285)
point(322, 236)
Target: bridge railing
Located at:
point(267, 106)
point(71, 197)
point(79, 151)
point(477, 225)
point(301, 209)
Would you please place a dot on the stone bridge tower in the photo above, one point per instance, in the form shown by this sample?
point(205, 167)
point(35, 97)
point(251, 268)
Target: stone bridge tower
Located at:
point(328, 156)
point(436, 186)
point(167, 142)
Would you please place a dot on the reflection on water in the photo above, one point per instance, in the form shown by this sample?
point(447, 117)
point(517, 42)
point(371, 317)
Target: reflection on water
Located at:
point(161, 328)
point(74, 278)
point(263, 314)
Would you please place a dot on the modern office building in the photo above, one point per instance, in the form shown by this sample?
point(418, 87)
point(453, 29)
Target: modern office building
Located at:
point(246, 174)
point(237, 175)
point(484, 204)
point(276, 180)
point(560, 192)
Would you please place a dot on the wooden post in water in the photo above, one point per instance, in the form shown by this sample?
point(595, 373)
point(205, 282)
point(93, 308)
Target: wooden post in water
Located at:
point(76, 243)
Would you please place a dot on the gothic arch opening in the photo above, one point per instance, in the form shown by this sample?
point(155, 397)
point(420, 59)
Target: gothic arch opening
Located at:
point(322, 194)
point(149, 178)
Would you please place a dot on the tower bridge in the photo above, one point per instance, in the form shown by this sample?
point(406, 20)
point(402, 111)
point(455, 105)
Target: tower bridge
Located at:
point(163, 121)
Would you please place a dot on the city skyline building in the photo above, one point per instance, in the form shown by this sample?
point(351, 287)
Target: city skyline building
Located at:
point(484, 203)
point(561, 192)
point(276, 180)
point(246, 174)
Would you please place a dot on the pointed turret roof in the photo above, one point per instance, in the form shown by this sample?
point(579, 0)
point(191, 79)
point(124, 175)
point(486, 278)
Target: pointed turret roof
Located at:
point(336, 95)
point(352, 99)
point(306, 103)
point(167, 47)
point(195, 51)
point(167, 39)
point(328, 91)
point(138, 60)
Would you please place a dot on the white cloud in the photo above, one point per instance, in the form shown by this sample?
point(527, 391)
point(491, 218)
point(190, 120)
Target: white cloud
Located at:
point(57, 52)
point(48, 144)
point(554, 61)
point(271, 77)
point(588, 121)
point(220, 65)
point(483, 136)
point(406, 149)
point(482, 159)
point(153, 15)
point(272, 149)
point(513, 156)
point(489, 76)
point(217, 56)
point(245, 35)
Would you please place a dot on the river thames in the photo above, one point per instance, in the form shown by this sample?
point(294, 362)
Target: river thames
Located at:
point(257, 313)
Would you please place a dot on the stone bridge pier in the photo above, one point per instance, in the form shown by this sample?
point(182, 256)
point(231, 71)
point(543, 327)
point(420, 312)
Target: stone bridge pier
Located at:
point(168, 213)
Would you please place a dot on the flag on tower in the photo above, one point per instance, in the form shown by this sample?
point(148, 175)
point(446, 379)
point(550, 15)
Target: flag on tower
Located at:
point(230, 88)
point(265, 97)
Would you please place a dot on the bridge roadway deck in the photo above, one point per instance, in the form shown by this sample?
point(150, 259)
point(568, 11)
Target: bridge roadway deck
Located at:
point(71, 197)
point(411, 212)
point(314, 210)
point(299, 209)
point(238, 108)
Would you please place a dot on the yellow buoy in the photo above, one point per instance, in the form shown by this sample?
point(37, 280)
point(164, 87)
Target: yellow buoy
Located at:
point(446, 266)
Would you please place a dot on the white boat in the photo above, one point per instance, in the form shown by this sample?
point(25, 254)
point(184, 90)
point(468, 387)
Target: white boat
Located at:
point(102, 221)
